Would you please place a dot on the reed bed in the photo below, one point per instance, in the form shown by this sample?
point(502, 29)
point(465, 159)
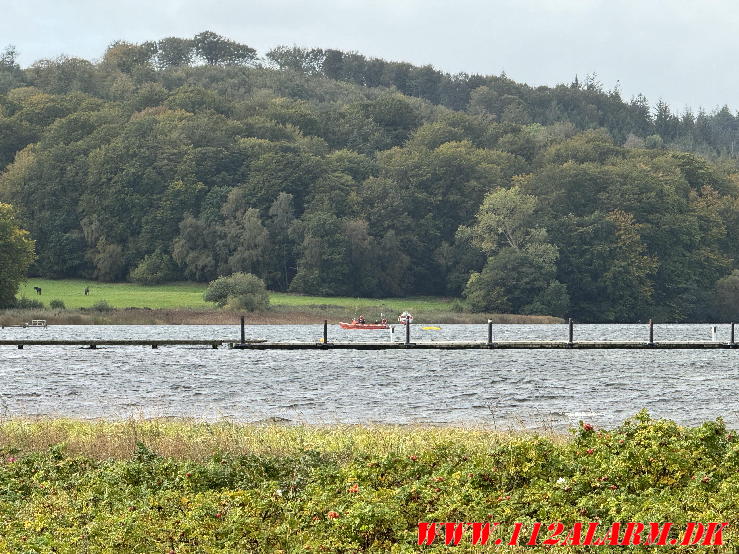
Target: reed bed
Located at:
point(277, 315)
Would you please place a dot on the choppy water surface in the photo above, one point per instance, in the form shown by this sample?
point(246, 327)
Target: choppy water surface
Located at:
point(505, 389)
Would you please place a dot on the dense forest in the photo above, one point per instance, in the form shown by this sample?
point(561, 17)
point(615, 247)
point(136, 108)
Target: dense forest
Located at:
point(330, 173)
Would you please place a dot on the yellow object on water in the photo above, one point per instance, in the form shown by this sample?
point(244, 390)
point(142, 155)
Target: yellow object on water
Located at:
point(431, 328)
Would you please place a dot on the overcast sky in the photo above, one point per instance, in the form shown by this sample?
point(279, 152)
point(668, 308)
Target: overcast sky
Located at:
point(679, 50)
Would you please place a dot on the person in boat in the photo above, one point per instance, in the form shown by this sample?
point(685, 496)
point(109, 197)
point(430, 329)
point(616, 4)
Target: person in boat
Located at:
point(383, 321)
point(362, 320)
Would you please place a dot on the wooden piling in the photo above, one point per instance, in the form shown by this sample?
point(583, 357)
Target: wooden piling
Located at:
point(325, 331)
point(407, 332)
point(490, 332)
point(731, 342)
point(571, 331)
point(243, 335)
point(651, 333)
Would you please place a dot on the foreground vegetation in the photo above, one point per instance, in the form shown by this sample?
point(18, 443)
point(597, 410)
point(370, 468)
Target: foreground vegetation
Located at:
point(177, 486)
point(327, 173)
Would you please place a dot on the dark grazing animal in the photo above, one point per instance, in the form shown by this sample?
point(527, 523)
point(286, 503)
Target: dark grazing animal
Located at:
point(87, 291)
point(38, 290)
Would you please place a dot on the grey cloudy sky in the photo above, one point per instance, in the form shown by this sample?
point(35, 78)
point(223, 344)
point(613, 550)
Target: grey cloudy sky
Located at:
point(682, 51)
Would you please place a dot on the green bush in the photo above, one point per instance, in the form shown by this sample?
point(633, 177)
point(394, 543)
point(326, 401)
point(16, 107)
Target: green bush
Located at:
point(57, 305)
point(240, 291)
point(101, 306)
point(24, 303)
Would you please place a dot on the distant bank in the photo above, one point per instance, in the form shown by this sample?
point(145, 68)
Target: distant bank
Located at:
point(182, 303)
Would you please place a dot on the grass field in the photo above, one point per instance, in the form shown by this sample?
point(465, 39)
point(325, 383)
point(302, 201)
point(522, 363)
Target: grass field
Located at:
point(190, 295)
point(118, 295)
point(182, 303)
point(186, 487)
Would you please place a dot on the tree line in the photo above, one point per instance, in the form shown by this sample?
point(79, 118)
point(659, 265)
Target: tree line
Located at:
point(328, 173)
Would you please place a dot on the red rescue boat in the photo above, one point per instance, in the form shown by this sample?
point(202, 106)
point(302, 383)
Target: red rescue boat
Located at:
point(368, 326)
point(360, 323)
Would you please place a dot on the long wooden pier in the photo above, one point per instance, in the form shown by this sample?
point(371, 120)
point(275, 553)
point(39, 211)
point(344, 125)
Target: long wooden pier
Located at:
point(503, 345)
point(407, 344)
point(489, 344)
point(261, 344)
point(93, 344)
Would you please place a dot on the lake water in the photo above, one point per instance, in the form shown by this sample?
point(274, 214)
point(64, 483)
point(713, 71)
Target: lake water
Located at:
point(503, 389)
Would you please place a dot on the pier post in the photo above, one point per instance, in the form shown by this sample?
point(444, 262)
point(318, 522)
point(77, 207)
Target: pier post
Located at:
point(651, 333)
point(571, 332)
point(407, 332)
point(243, 336)
point(490, 332)
point(325, 331)
point(731, 342)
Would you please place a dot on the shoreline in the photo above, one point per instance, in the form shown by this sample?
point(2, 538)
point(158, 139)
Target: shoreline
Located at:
point(278, 315)
point(81, 435)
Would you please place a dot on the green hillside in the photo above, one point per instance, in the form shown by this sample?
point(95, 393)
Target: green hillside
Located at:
point(327, 173)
